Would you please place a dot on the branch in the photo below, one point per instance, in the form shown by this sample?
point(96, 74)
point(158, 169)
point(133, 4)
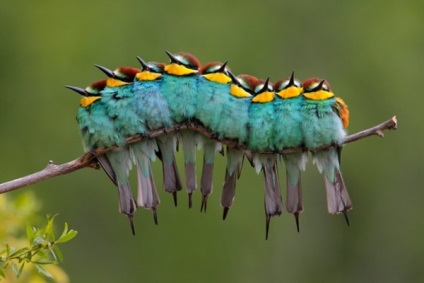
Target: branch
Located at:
point(89, 159)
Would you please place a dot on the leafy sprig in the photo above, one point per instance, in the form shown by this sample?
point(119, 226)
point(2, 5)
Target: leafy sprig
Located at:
point(43, 249)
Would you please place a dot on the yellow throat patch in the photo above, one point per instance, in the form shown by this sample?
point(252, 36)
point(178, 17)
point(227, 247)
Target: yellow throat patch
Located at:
point(147, 76)
point(238, 92)
point(88, 100)
point(218, 78)
point(264, 97)
point(178, 70)
point(290, 92)
point(318, 95)
point(115, 83)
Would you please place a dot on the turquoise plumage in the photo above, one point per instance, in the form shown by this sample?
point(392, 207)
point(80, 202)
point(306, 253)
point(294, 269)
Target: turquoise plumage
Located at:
point(234, 111)
point(288, 134)
point(213, 88)
point(261, 130)
point(324, 120)
point(152, 107)
point(179, 87)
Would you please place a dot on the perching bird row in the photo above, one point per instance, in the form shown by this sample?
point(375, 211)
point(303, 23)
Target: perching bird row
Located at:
point(255, 113)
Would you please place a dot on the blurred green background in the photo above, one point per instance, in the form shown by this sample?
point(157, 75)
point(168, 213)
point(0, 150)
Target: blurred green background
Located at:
point(372, 52)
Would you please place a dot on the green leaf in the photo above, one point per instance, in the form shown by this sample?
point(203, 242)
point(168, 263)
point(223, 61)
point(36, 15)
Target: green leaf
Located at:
point(67, 237)
point(49, 227)
point(43, 271)
point(2, 274)
point(58, 252)
point(7, 249)
point(65, 230)
point(21, 269)
point(19, 252)
point(44, 261)
point(52, 252)
point(15, 269)
point(30, 233)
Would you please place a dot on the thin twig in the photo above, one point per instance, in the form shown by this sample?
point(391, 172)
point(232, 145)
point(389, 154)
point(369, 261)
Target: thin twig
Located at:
point(89, 159)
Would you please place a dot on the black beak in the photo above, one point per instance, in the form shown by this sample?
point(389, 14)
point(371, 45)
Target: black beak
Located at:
point(105, 70)
point(291, 79)
point(222, 69)
point(77, 90)
point(172, 57)
point(265, 87)
point(144, 65)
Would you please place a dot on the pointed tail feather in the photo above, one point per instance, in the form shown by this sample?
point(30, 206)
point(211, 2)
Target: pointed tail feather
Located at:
point(228, 192)
point(191, 178)
point(188, 140)
point(344, 194)
point(294, 201)
point(107, 167)
point(206, 184)
point(232, 173)
point(155, 195)
point(338, 199)
point(142, 152)
point(210, 148)
point(171, 177)
point(295, 163)
point(154, 198)
point(273, 199)
point(127, 204)
point(147, 193)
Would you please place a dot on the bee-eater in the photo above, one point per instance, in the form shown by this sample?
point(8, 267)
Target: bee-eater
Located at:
point(153, 108)
point(325, 118)
point(213, 88)
point(233, 125)
point(121, 101)
point(288, 134)
point(261, 130)
point(98, 130)
point(179, 87)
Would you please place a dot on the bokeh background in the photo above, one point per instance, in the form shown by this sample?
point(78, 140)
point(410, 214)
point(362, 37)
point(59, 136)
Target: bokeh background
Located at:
point(372, 52)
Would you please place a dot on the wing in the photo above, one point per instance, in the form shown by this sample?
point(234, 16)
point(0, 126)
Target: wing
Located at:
point(340, 107)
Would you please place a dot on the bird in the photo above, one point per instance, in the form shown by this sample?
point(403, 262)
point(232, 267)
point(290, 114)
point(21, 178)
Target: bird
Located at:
point(152, 107)
point(121, 104)
point(213, 88)
point(233, 125)
point(288, 134)
point(98, 130)
point(179, 87)
point(324, 120)
point(261, 130)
